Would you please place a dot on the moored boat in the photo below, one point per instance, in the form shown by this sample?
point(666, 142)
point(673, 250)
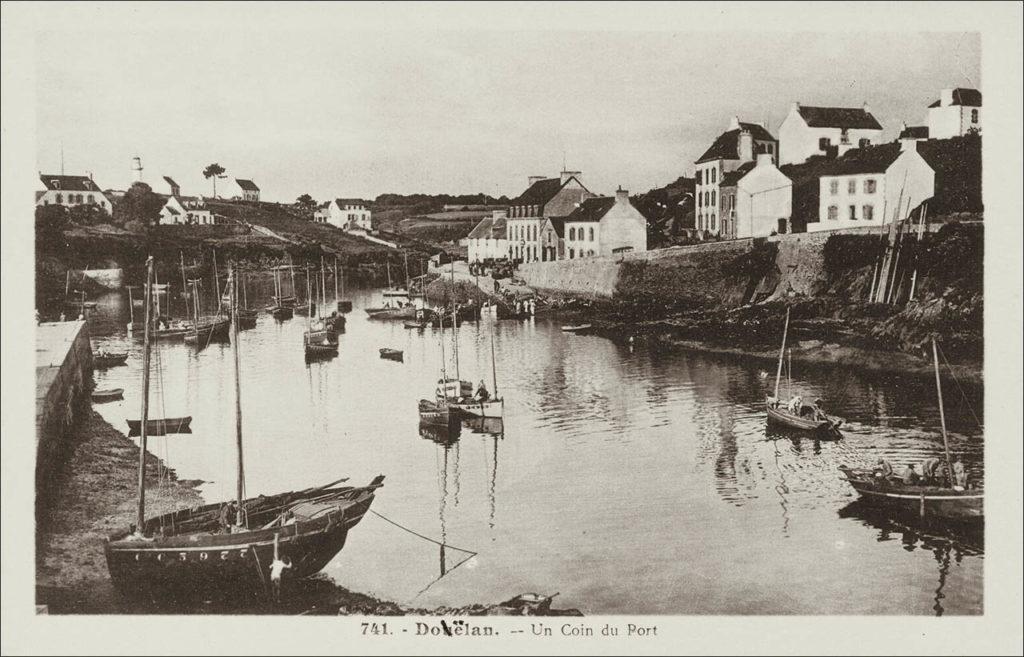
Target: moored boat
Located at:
point(385, 313)
point(107, 394)
point(392, 354)
point(924, 501)
point(103, 359)
point(576, 328)
point(161, 427)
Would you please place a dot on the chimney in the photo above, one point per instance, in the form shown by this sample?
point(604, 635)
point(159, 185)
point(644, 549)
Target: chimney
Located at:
point(764, 159)
point(569, 174)
point(621, 195)
point(734, 123)
point(745, 146)
point(532, 179)
point(498, 214)
point(795, 107)
point(867, 108)
point(946, 98)
point(908, 145)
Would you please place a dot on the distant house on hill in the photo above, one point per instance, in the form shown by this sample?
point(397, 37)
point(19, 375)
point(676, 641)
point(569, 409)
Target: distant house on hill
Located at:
point(808, 131)
point(488, 239)
point(70, 191)
point(179, 209)
point(603, 226)
point(238, 189)
point(350, 214)
point(956, 113)
point(322, 212)
point(543, 199)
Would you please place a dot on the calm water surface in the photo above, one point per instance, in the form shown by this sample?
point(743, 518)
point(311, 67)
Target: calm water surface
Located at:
point(634, 481)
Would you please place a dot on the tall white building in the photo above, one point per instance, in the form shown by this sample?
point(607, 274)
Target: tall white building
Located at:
point(808, 131)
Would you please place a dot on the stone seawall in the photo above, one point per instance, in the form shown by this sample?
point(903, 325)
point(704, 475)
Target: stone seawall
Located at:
point(63, 379)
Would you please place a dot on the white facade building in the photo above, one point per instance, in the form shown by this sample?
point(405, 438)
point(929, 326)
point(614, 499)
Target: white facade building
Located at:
point(488, 240)
point(350, 214)
point(764, 200)
point(808, 131)
point(852, 190)
point(605, 226)
point(70, 191)
point(954, 114)
point(543, 199)
point(189, 210)
point(238, 189)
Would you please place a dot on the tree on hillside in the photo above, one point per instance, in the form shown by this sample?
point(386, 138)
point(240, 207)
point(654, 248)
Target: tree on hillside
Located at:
point(50, 223)
point(306, 201)
point(213, 172)
point(138, 208)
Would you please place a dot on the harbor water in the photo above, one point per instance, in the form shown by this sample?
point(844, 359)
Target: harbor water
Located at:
point(627, 478)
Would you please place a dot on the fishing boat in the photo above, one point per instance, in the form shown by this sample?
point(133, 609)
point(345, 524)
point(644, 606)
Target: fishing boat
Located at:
point(283, 306)
point(436, 413)
point(416, 324)
point(576, 328)
point(439, 411)
point(195, 551)
point(806, 418)
point(397, 313)
point(318, 339)
point(161, 427)
point(343, 305)
point(492, 406)
point(392, 354)
point(104, 359)
point(107, 394)
point(954, 502)
point(208, 329)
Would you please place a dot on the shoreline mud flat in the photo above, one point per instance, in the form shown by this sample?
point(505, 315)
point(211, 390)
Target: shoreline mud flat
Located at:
point(96, 495)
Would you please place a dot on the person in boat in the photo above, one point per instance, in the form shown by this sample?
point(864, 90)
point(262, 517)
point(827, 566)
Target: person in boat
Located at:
point(818, 412)
point(910, 476)
point(959, 475)
point(883, 470)
point(932, 472)
point(795, 404)
point(227, 516)
point(482, 394)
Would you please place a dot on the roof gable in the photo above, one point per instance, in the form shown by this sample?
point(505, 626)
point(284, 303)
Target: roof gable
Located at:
point(488, 228)
point(170, 181)
point(68, 183)
point(247, 185)
point(914, 132)
point(854, 118)
point(870, 159)
point(962, 96)
point(726, 145)
point(539, 192)
point(592, 209)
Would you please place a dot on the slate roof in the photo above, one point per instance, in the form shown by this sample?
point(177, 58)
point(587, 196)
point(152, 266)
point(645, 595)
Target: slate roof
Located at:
point(592, 209)
point(558, 224)
point(871, 159)
point(726, 146)
point(247, 185)
point(488, 228)
point(732, 177)
point(854, 118)
point(914, 132)
point(69, 183)
point(351, 201)
point(968, 97)
point(539, 193)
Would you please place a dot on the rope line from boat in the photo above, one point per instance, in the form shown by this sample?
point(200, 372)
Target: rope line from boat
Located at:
point(426, 538)
point(963, 394)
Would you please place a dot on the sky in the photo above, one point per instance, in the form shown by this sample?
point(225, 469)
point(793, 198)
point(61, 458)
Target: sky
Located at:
point(335, 112)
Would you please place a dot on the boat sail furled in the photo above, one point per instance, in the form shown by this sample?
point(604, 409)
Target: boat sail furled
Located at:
point(193, 551)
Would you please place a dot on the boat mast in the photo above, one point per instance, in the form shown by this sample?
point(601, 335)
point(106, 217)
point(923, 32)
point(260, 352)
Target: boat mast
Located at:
point(245, 290)
point(389, 271)
point(336, 297)
point(291, 270)
point(942, 413)
point(323, 286)
point(405, 254)
point(309, 303)
point(184, 287)
point(455, 347)
point(238, 394)
point(140, 521)
point(494, 370)
point(155, 283)
point(782, 353)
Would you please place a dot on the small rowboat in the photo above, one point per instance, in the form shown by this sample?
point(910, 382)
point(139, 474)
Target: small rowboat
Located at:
point(104, 359)
point(780, 416)
point(161, 427)
point(408, 312)
point(322, 342)
point(492, 408)
point(576, 328)
point(415, 325)
point(925, 501)
point(392, 354)
point(108, 394)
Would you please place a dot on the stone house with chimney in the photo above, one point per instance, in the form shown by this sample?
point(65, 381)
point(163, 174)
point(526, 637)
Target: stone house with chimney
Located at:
point(737, 146)
point(604, 226)
point(808, 131)
point(488, 240)
point(543, 199)
point(854, 190)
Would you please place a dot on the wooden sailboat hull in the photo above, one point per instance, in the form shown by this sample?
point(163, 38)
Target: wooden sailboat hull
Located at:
point(492, 408)
point(111, 394)
point(210, 330)
point(391, 313)
point(282, 312)
point(205, 559)
point(161, 427)
point(436, 414)
point(576, 328)
point(781, 417)
point(924, 501)
point(320, 342)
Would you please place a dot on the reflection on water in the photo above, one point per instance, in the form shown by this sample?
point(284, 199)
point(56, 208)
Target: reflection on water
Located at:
point(629, 479)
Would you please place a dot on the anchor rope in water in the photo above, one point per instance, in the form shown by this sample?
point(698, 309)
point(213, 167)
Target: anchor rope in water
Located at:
point(426, 538)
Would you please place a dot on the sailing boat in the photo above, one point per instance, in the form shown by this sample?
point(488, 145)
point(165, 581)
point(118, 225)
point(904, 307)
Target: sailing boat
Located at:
point(438, 413)
point(283, 307)
point(246, 315)
point(319, 339)
point(335, 321)
point(193, 551)
point(952, 502)
point(491, 407)
point(393, 291)
point(344, 305)
point(807, 418)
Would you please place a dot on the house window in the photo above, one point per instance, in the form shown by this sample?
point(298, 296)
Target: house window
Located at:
point(572, 233)
point(824, 143)
point(714, 176)
point(590, 234)
point(844, 136)
point(91, 199)
point(833, 187)
point(712, 222)
point(699, 172)
point(851, 186)
point(60, 198)
point(712, 197)
point(869, 212)
point(700, 199)
point(833, 212)
point(869, 186)
point(572, 253)
point(853, 213)
point(864, 142)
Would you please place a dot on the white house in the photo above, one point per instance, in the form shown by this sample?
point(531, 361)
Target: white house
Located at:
point(322, 213)
point(70, 191)
point(604, 226)
point(808, 131)
point(955, 113)
point(735, 147)
point(764, 200)
point(350, 214)
point(238, 189)
point(544, 198)
point(488, 239)
point(944, 172)
point(852, 189)
point(189, 210)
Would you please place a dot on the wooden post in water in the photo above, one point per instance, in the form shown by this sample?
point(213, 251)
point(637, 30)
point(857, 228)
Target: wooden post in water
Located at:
point(942, 413)
point(240, 493)
point(782, 353)
point(140, 521)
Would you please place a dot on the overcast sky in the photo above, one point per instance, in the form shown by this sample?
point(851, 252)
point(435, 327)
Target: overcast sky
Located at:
point(332, 112)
